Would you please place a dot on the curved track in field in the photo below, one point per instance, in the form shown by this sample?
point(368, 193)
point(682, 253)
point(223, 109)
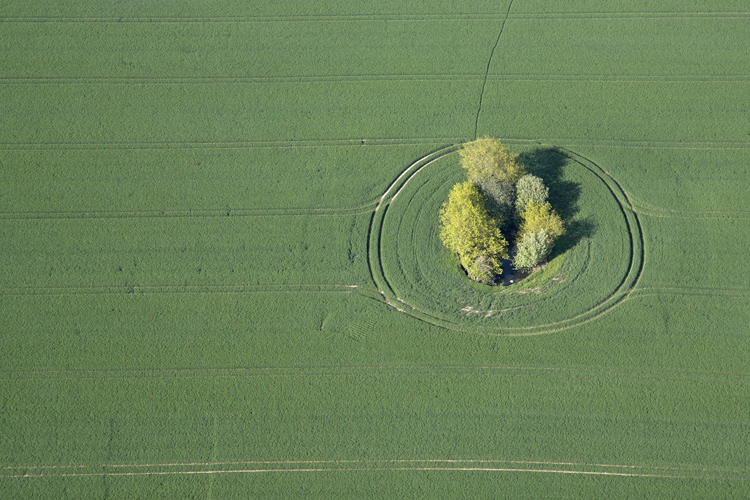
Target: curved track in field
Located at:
point(385, 283)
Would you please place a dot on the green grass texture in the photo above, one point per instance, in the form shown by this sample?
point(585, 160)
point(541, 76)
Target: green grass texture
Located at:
point(221, 277)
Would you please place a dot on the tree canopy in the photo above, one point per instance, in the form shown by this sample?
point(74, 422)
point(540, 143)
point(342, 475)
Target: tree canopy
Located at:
point(498, 197)
point(530, 188)
point(532, 249)
point(487, 158)
point(468, 229)
point(539, 217)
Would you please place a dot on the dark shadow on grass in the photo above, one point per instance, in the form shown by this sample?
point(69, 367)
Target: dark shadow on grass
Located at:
point(575, 231)
point(548, 163)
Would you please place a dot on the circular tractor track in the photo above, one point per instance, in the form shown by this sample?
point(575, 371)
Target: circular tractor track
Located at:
point(390, 280)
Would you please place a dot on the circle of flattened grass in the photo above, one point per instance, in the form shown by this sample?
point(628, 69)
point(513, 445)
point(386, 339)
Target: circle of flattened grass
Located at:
point(592, 268)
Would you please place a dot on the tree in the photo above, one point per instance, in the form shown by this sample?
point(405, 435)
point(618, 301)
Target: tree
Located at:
point(530, 188)
point(532, 249)
point(482, 270)
point(500, 198)
point(487, 158)
point(468, 229)
point(537, 217)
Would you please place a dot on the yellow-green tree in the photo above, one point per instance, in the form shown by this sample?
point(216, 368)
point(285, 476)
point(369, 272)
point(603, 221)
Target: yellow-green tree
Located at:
point(468, 229)
point(539, 217)
point(487, 158)
point(532, 249)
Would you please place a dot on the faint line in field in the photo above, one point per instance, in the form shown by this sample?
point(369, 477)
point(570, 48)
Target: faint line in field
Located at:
point(626, 78)
point(375, 370)
point(351, 142)
point(726, 293)
point(487, 70)
point(276, 144)
point(237, 79)
point(382, 461)
point(217, 80)
point(670, 214)
point(376, 469)
point(609, 15)
point(580, 141)
point(649, 207)
point(256, 19)
point(162, 289)
point(232, 212)
point(451, 16)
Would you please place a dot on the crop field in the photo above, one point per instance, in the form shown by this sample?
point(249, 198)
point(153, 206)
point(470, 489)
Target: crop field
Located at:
point(221, 277)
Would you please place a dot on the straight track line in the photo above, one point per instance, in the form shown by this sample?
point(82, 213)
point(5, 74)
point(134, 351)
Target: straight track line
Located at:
point(273, 144)
point(232, 212)
point(381, 461)
point(376, 469)
point(314, 18)
point(405, 141)
point(376, 370)
point(406, 17)
point(690, 291)
point(173, 289)
point(638, 15)
point(218, 80)
point(213, 80)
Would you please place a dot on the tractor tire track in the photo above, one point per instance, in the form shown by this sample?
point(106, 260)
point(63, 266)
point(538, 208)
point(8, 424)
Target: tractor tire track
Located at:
point(588, 373)
point(378, 465)
point(357, 142)
point(211, 213)
point(413, 17)
point(232, 80)
point(626, 285)
point(176, 289)
point(487, 71)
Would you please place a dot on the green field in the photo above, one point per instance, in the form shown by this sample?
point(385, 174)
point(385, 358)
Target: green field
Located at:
point(221, 277)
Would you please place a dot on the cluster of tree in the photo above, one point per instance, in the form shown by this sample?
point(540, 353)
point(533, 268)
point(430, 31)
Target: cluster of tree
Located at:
point(499, 199)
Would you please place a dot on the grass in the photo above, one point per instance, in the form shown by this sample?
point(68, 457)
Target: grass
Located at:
point(192, 235)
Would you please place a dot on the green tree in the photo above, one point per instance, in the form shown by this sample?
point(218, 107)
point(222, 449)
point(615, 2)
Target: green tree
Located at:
point(487, 158)
point(530, 188)
point(468, 229)
point(500, 200)
point(539, 217)
point(532, 249)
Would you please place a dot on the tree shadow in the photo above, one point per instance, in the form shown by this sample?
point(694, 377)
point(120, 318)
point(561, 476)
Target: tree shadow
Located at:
point(548, 163)
point(575, 231)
